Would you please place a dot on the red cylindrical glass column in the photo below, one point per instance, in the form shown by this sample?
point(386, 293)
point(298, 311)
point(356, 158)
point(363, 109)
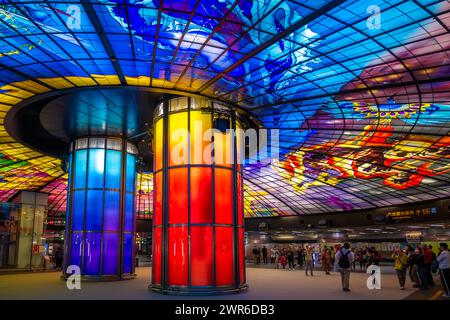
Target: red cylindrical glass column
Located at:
point(198, 216)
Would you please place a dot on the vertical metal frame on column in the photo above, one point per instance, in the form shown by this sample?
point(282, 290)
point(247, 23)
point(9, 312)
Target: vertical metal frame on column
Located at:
point(123, 159)
point(236, 262)
point(165, 200)
point(69, 206)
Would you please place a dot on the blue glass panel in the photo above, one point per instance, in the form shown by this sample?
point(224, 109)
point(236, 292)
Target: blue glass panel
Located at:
point(129, 212)
point(110, 253)
point(113, 166)
point(92, 253)
point(94, 210)
point(112, 206)
point(79, 179)
point(75, 249)
point(131, 172)
point(96, 168)
point(78, 210)
point(127, 252)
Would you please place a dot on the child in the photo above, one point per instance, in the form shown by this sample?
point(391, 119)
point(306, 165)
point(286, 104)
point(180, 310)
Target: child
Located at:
point(283, 261)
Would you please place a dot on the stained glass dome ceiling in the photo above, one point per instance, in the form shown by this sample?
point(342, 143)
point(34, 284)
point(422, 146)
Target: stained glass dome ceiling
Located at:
point(359, 90)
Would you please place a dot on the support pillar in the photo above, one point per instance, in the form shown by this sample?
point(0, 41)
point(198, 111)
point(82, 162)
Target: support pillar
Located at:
point(198, 229)
point(100, 228)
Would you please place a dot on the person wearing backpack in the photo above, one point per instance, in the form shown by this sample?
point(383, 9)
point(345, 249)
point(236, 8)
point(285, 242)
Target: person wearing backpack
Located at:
point(344, 258)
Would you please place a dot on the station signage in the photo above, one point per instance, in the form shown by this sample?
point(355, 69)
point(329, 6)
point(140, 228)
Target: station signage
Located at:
point(413, 213)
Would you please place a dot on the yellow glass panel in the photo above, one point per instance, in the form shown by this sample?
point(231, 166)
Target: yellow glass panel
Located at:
point(200, 122)
point(31, 86)
point(106, 80)
point(58, 83)
point(82, 81)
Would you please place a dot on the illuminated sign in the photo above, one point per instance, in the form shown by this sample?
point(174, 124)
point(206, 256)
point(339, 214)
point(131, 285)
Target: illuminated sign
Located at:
point(415, 236)
point(408, 214)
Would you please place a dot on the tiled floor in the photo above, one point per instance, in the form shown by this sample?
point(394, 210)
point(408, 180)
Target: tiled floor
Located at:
point(264, 283)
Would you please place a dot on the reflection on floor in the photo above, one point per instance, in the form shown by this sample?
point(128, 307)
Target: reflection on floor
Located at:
point(264, 284)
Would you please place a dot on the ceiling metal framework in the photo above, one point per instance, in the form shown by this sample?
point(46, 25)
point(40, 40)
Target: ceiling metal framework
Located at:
point(363, 110)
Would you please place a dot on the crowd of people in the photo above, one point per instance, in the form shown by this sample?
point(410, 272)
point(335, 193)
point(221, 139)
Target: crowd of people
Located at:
point(292, 258)
point(419, 263)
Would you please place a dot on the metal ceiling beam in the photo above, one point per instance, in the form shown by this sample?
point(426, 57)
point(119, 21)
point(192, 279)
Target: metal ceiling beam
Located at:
point(90, 11)
point(328, 7)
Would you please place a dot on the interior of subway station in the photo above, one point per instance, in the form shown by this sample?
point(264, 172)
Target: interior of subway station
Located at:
point(162, 146)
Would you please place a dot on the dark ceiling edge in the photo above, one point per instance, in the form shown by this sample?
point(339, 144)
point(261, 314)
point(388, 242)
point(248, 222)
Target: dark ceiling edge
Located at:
point(10, 115)
point(358, 211)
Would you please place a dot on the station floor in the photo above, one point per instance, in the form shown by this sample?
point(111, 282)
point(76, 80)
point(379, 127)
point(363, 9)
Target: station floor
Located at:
point(264, 283)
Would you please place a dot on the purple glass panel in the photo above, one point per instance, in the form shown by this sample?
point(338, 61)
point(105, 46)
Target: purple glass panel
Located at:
point(75, 249)
point(112, 208)
point(127, 252)
point(92, 253)
point(110, 253)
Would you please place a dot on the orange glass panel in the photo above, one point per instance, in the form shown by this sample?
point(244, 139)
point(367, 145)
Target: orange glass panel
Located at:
point(224, 256)
point(199, 123)
point(201, 256)
point(157, 215)
point(159, 138)
point(178, 256)
point(223, 195)
point(157, 249)
point(178, 195)
point(201, 195)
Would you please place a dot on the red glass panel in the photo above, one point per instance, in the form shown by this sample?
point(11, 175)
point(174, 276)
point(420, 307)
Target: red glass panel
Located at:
point(178, 255)
point(201, 256)
point(157, 193)
point(201, 195)
point(156, 264)
point(178, 195)
point(239, 200)
point(241, 256)
point(223, 195)
point(224, 256)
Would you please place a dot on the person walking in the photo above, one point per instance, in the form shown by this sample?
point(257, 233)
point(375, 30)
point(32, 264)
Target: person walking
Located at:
point(283, 259)
point(258, 256)
point(443, 260)
point(59, 257)
point(290, 259)
point(300, 257)
point(309, 263)
point(277, 258)
point(255, 254)
point(428, 259)
point(344, 258)
point(326, 261)
point(264, 254)
point(419, 264)
point(273, 254)
point(400, 266)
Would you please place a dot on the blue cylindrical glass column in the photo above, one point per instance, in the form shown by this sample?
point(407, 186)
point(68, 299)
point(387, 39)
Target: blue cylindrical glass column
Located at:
point(101, 208)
